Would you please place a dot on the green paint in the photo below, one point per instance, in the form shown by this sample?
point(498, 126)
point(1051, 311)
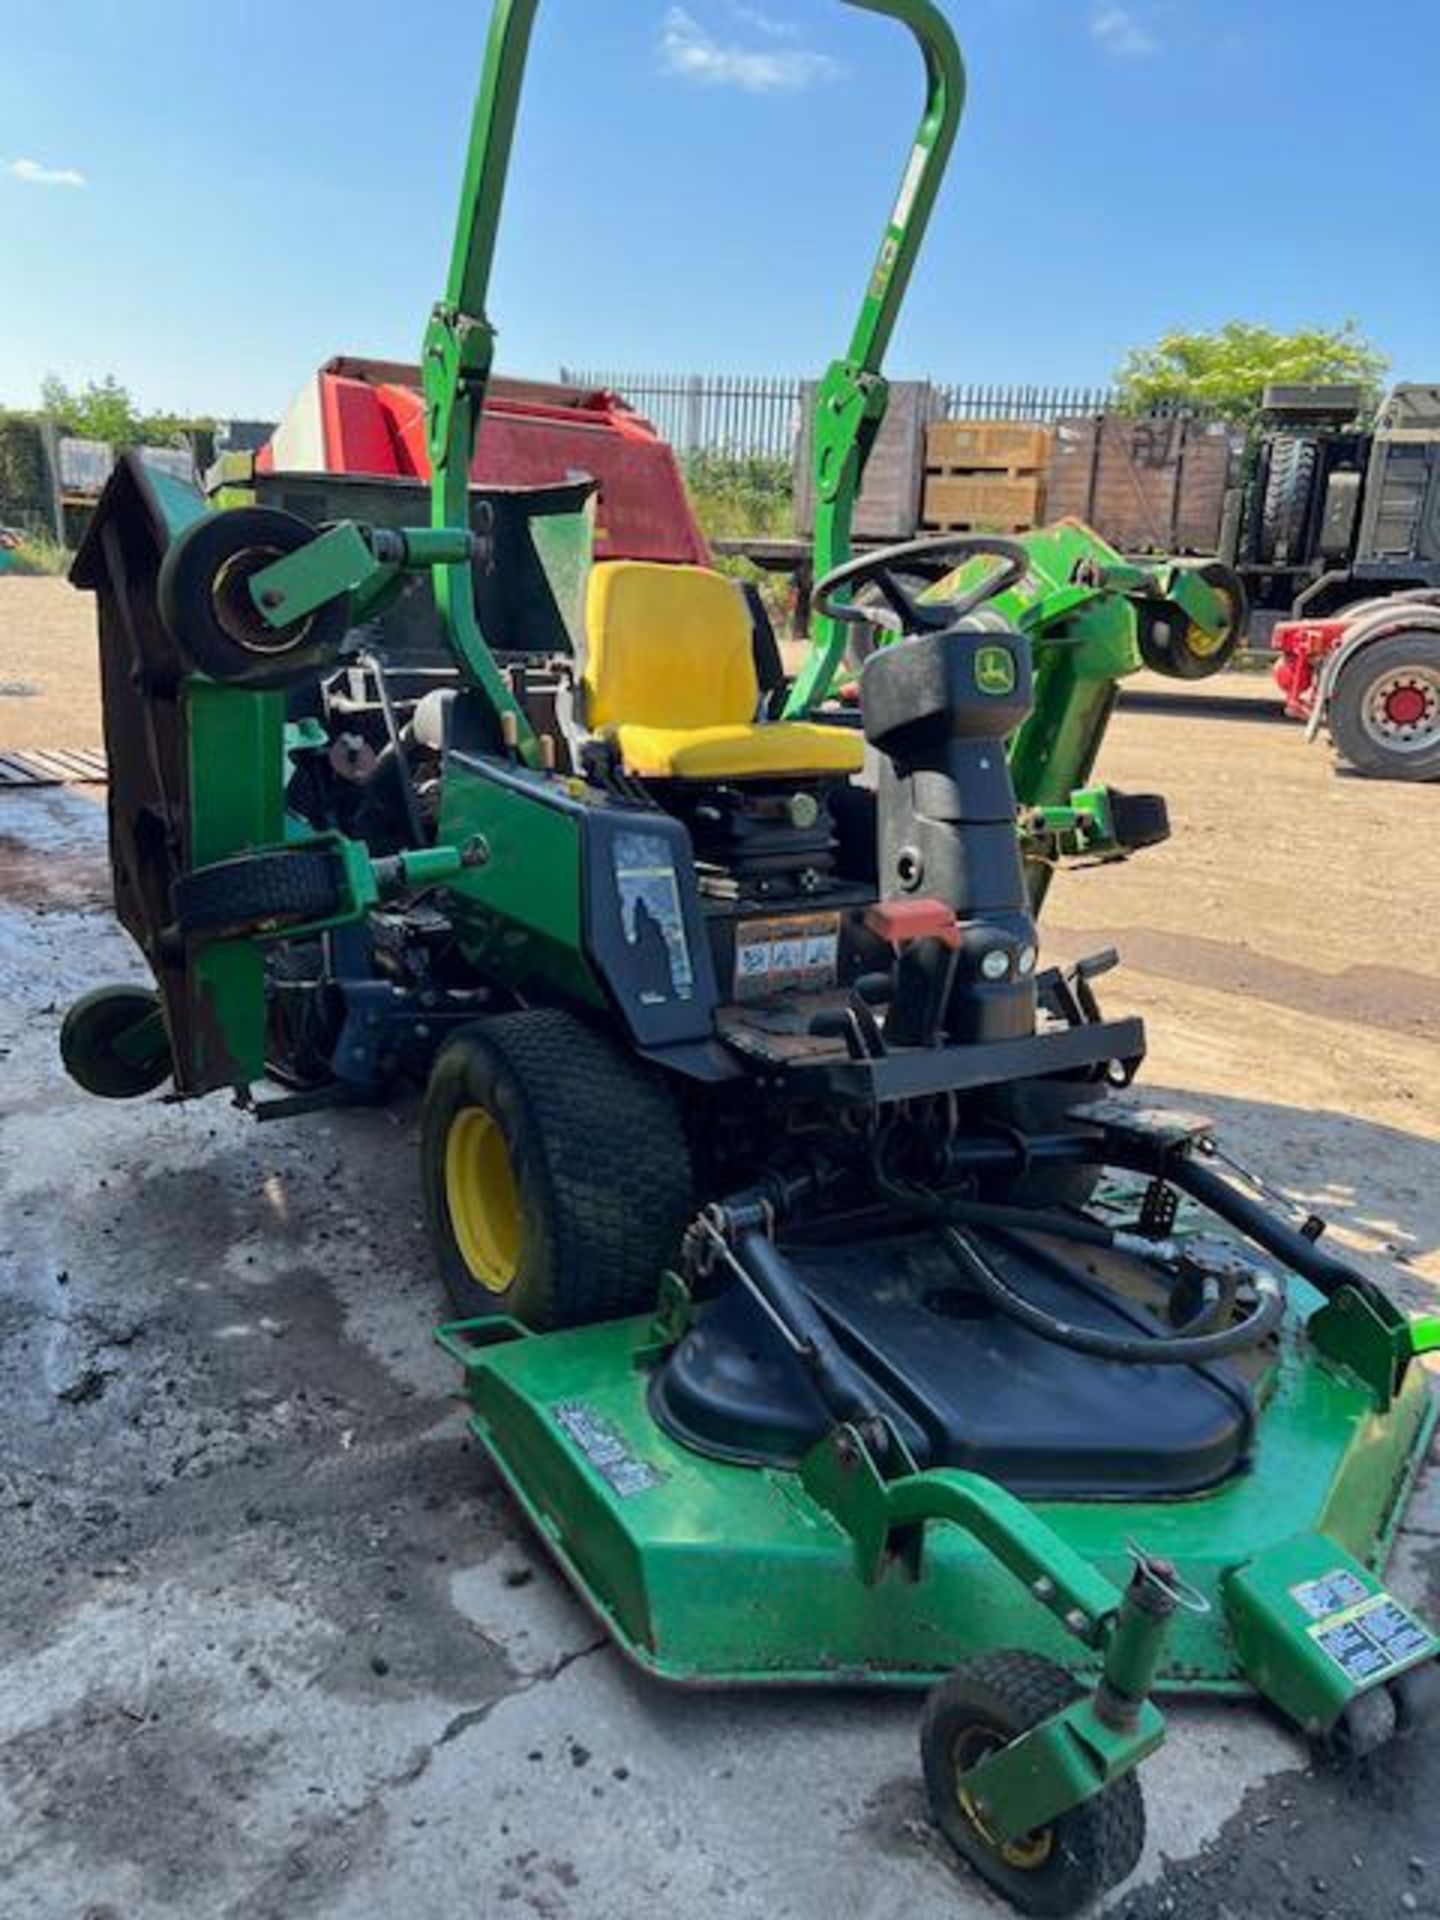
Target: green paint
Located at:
point(1313, 1628)
point(736, 1574)
point(518, 914)
point(235, 805)
point(1063, 1761)
point(851, 401)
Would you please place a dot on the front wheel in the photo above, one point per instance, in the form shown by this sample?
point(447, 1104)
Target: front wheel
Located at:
point(555, 1171)
point(1385, 708)
point(1059, 1868)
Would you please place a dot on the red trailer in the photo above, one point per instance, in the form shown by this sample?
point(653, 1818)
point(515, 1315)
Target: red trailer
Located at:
point(367, 417)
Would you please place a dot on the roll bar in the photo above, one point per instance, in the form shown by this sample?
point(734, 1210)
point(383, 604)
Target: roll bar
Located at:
point(459, 347)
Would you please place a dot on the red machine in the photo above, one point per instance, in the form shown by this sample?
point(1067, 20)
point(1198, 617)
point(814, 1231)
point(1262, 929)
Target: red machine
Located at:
point(1302, 646)
point(367, 417)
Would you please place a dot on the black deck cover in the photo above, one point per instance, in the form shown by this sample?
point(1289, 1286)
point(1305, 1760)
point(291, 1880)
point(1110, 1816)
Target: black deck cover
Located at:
point(964, 1385)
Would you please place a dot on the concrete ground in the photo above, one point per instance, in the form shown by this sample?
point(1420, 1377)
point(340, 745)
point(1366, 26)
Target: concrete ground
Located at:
point(274, 1643)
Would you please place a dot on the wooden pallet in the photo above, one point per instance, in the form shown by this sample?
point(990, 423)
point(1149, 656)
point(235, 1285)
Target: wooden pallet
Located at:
point(54, 767)
point(1006, 527)
point(1009, 447)
point(983, 499)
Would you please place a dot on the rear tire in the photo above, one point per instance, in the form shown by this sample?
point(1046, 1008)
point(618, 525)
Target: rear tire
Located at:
point(1058, 1869)
point(555, 1172)
point(1375, 695)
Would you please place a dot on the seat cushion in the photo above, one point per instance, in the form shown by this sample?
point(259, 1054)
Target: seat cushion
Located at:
point(783, 749)
point(667, 647)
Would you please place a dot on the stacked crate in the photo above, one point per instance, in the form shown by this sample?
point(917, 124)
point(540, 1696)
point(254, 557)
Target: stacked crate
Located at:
point(984, 476)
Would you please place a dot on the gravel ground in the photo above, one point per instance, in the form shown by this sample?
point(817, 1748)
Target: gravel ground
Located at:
point(274, 1643)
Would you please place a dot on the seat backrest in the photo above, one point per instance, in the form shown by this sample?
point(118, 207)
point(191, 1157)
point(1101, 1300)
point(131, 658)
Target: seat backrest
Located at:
point(666, 646)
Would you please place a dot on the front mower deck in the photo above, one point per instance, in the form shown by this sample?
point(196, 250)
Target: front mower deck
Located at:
point(712, 1573)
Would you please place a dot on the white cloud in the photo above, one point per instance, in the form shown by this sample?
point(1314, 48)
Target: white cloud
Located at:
point(691, 52)
point(1120, 33)
point(34, 175)
point(764, 22)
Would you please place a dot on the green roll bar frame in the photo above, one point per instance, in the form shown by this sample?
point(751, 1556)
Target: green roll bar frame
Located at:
point(459, 349)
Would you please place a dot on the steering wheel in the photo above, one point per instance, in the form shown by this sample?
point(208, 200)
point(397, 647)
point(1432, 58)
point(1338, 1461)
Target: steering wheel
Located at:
point(903, 613)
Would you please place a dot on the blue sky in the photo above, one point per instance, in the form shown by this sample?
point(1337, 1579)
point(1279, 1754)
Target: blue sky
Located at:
point(208, 200)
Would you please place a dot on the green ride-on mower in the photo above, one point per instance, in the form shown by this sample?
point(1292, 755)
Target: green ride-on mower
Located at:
point(819, 1295)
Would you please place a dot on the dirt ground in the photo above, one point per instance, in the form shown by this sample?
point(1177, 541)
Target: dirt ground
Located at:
point(273, 1642)
point(49, 684)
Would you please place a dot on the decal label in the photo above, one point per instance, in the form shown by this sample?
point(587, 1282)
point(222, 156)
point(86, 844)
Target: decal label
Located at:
point(799, 951)
point(995, 670)
point(605, 1449)
point(1364, 1632)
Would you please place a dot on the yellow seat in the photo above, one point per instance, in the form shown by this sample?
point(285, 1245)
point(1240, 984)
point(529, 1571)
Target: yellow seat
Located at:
point(670, 677)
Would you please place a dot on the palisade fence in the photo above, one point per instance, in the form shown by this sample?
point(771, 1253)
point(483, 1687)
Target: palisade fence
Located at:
point(747, 417)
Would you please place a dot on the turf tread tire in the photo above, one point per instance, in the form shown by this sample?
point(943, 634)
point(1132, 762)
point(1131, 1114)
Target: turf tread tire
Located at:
point(257, 891)
point(599, 1157)
point(1096, 1845)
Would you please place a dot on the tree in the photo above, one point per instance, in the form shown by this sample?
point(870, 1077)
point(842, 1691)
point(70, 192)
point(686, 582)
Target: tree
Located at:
point(100, 410)
point(1223, 373)
point(104, 410)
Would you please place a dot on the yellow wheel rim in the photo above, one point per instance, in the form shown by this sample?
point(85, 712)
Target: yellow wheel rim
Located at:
point(482, 1198)
point(1202, 642)
point(1031, 1850)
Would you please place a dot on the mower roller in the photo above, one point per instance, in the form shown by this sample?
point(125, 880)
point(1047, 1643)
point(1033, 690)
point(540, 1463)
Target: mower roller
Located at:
point(820, 1293)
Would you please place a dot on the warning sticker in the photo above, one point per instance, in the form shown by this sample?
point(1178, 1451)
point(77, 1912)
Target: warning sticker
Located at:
point(771, 955)
point(1331, 1593)
point(605, 1449)
point(1352, 1649)
point(1371, 1638)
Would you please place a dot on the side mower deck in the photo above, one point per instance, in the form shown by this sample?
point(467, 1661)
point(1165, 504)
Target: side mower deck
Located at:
point(709, 1572)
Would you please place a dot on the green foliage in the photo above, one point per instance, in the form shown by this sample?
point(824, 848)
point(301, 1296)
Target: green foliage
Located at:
point(37, 554)
point(22, 468)
point(105, 410)
point(1223, 373)
point(735, 498)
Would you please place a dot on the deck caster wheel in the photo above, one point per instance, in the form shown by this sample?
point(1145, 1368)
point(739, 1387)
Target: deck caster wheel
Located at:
point(1369, 1722)
point(554, 1169)
point(113, 1043)
point(1172, 645)
point(211, 618)
point(1417, 1698)
point(1059, 1868)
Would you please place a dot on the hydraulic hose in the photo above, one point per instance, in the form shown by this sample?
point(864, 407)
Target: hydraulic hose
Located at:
point(1138, 1349)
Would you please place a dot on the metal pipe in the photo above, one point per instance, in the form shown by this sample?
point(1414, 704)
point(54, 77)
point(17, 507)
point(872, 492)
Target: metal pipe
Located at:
point(1257, 1223)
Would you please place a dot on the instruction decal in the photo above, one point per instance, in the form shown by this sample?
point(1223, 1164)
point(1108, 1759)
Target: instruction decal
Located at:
point(1365, 1633)
point(1331, 1593)
point(605, 1449)
point(798, 951)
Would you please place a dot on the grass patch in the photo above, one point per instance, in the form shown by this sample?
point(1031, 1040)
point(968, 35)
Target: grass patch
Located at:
point(36, 554)
point(738, 499)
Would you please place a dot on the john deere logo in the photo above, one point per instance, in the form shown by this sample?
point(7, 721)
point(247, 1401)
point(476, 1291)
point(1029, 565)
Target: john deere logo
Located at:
point(995, 670)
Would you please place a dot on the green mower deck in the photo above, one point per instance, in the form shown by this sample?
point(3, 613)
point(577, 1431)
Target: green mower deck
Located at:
point(708, 1573)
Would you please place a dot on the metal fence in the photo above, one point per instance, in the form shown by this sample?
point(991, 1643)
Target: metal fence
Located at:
point(760, 416)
